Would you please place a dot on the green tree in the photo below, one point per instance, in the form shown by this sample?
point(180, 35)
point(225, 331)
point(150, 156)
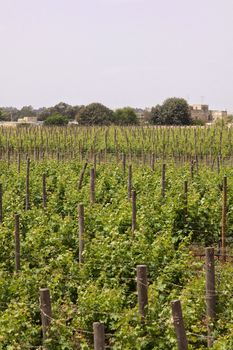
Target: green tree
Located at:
point(56, 119)
point(176, 111)
point(173, 111)
point(61, 108)
point(155, 116)
point(125, 116)
point(10, 113)
point(27, 111)
point(95, 114)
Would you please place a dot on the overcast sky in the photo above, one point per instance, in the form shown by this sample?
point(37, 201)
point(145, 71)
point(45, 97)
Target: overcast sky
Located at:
point(117, 52)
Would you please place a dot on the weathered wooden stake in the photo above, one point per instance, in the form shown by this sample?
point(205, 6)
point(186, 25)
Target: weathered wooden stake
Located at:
point(192, 169)
point(185, 198)
point(153, 163)
point(81, 231)
point(17, 244)
point(46, 311)
point(224, 219)
point(19, 163)
point(92, 185)
point(81, 176)
point(1, 210)
point(123, 163)
point(134, 211)
point(8, 158)
point(142, 289)
point(99, 336)
point(95, 162)
point(163, 180)
point(129, 181)
point(27, 204)
point(179, 325)
point(143, 158)
point(44, 192)
point(210, 293)
point(218, 163)
point(197, 163)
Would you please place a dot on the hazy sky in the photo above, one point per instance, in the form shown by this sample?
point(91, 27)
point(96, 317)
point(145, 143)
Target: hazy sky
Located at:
point(118, 52)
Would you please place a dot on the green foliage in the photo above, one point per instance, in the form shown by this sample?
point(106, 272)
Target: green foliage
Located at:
point(64, 109)
point(173, 111)
point(61, 108)
point(103, 288)
point(222, 122)
point(198, 122)
point(156, 115)
point(125, 116)
point(230, 118)
point(56, 119)
point(95, 114)
point(3, 117)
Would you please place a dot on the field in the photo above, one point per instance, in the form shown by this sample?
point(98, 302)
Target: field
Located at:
point(81, 209)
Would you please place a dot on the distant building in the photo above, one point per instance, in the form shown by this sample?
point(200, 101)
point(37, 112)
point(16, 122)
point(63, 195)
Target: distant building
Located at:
point(219, 114)
point(202, 112)
point(29, 120)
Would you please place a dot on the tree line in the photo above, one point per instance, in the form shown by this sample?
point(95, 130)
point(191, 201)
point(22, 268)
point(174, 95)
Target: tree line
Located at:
point(173, 111)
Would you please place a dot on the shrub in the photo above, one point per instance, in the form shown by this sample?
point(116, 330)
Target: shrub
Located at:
point(56, 119)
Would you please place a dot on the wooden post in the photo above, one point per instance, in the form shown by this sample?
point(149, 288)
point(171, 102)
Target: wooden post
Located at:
point(81, 231)
point(95, 162)
point(46, 311)
point(192, 169)
point(17, 244)
point(142, 289)
point(185, 198)
point(1, 211)
point(218, 163)
point(81, 176)
point(8, 157)
point(224, 219)
point(123, 163)
point(19, 163)
point(153, 163)
point(179, 325)
point(163, 180)
point(99, 336)
point(196, 162)
point(92, 185)
point(129, 181)
point(210, 293)
point(144, 158)
point(27, 204)
point(134, 211)
point(44, 191)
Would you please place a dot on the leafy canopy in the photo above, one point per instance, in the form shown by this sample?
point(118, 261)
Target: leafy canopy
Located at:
point(125, 116)
point(56, 119)
point(173, 111)
point(95, 114)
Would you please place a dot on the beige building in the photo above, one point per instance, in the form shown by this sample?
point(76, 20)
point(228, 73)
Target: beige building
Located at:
point(202, 112)
point(27, 120)
point(219, 114)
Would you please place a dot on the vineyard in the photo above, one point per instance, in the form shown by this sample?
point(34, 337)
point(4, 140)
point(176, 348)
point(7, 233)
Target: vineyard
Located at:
point(104, 235)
